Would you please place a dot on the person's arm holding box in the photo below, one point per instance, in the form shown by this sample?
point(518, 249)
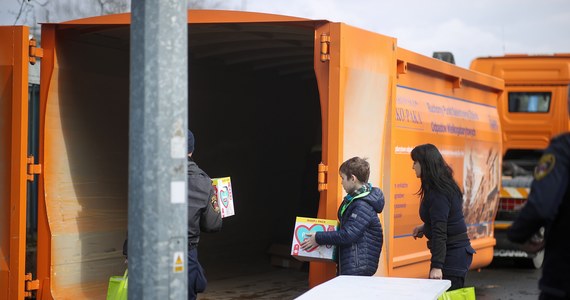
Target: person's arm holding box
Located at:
point(211, 219)
point(350, 231)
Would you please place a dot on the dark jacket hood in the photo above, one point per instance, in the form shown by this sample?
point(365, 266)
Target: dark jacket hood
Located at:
point(375, 199)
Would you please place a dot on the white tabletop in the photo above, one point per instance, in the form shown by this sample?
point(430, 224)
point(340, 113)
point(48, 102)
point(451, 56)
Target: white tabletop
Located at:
point(362, 287)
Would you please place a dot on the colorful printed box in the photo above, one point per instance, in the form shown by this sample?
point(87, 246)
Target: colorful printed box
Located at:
point(223, 189)
point(306, 225)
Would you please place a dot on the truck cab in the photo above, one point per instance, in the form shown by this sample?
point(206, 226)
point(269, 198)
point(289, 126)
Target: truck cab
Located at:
point(534, 108)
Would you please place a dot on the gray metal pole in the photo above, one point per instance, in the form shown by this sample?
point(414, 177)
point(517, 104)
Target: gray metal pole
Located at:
point(157, 150)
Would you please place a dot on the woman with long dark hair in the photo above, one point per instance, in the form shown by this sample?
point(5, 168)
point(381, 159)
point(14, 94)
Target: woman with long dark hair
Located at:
point(441, 210)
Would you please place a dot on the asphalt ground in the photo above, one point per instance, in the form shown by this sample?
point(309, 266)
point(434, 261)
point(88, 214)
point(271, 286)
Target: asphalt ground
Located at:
point(504, 279)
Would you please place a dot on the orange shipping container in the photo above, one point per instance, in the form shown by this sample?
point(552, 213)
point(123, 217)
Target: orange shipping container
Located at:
point(291, 92)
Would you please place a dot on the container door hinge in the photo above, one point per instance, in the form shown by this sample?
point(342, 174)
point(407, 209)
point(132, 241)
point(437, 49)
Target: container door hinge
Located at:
point(33, 169)
point(35, 51)
point(325, 47)
point(322, 177)
point(30, 285)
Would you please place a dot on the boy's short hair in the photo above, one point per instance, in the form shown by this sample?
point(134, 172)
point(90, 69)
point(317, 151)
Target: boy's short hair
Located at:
point(356, 166)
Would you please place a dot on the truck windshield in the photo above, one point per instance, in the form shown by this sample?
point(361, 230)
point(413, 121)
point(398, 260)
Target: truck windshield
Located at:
point(529, 102)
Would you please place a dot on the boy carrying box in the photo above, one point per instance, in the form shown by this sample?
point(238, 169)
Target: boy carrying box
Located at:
point(307, 226)
point(359, 237)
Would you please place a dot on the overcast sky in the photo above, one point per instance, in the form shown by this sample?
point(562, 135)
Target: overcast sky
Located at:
point(468, 28)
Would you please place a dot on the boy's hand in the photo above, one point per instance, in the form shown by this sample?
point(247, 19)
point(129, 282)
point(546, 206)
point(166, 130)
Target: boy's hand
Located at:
point(310, 242)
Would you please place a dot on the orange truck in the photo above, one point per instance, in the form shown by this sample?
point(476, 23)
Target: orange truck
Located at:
point(533, 109)
point(275, 102)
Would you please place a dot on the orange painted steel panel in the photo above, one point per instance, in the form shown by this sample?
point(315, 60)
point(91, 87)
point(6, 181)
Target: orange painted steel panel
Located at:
point(83, 213)
point(366, 80)
point(320, 272)
point(354, 76)
point(526, 69)
point(438, 68)
point(13, 158)
point(455, 109)
point(359, 87)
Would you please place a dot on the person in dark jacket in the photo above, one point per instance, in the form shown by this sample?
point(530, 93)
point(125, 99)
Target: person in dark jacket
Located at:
point(441, 211)
point(203, 216)
point(548, 206)
point(359, 238)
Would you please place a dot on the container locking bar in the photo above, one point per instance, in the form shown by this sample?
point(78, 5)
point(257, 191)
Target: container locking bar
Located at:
point(322, 177)
point(325, 47)
point(30, 285)
point(35, 51)
point(402, 67)
point(33, 169)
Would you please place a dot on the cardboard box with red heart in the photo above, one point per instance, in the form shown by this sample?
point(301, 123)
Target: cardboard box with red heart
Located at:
point(223, 190)
point(311, 225)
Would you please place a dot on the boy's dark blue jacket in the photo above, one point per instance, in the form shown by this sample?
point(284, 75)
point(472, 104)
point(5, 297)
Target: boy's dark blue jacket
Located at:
point(359, 237)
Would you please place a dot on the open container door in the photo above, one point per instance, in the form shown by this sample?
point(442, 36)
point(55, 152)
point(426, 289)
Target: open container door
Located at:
point(354, 72)
point(13, 159)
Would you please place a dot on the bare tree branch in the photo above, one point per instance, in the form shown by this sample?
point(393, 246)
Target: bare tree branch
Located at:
point(20, 12)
